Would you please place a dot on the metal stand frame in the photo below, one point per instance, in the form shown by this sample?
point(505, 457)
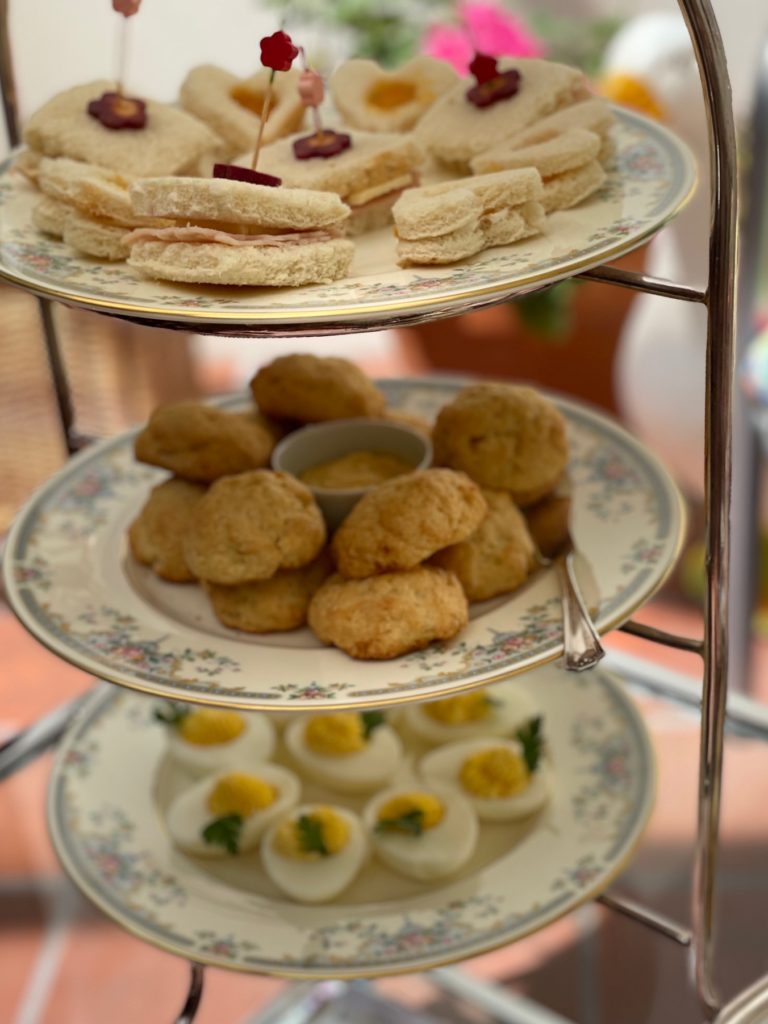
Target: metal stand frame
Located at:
point(718, 298)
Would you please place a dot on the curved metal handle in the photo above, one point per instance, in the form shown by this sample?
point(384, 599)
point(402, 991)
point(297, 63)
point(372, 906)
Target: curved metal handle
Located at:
point(583, 649)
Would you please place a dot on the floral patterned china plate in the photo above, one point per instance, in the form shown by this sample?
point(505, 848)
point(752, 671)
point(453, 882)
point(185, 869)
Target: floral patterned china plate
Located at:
point(112, 781)
point(653, 176)
point(70, 579)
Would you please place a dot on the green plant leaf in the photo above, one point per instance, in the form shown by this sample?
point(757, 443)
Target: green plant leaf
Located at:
point(311, 835)
point(412, 823)
point(225, 831)
point(532, 742)
point(172, 714)
point(371, 722)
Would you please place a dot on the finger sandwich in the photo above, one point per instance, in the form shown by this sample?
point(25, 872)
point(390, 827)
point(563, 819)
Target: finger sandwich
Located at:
point(88, 206)
point(171, 142)
point(238, 233)
point(568, 164)
point(453, 220)
point(455, 130)
point(591, 115)
point(231, 107)
point(368, 176)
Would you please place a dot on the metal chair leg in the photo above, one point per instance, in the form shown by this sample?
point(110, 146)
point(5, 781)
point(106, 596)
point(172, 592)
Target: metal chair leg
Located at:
point(194, 995)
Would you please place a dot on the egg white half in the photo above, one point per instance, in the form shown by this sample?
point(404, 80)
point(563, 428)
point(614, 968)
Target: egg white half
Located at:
point(512, 707)
point(189, 813)
point(253, 745)
point(444, 766)
point(436, 853)
point(321, 879)
point(359, 772)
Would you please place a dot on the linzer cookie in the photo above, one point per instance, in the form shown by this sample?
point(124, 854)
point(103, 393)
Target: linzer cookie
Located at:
point(375, 100)
point(470, 118)
point(237, 233)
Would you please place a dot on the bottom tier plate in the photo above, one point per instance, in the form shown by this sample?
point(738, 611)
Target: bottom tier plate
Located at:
point(111, 780)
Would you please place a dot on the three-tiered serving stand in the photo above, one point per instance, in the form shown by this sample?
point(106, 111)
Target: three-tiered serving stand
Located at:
point(713, 647)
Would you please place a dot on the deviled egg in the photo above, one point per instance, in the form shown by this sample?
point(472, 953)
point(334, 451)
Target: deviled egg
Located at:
point(315, 852)
point(204, 740)
point(425, 832)
point(503, 779)
point(488, 711)
point(346, 751)
point(229, 813)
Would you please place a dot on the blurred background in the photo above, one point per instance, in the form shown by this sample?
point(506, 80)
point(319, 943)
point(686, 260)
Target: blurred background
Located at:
point(640, 358)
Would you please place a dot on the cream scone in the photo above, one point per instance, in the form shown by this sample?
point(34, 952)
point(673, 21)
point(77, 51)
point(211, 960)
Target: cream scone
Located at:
point(453, 220)
point(376, 100)
point(455, 130)
point(232, 106)
point(567, 162)
point(170, 140)
point(238, 233)
point(369, 175)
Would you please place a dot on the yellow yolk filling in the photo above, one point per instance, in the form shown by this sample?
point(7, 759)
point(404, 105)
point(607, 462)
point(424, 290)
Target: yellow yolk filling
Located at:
point(336, 734)
point(390, 93)
point(495, 773)
point(466, 707)
point(334, 830)
point(209, 726)
point(631, 92)
point(239, 793)
point(251, 99)
point(431, 808)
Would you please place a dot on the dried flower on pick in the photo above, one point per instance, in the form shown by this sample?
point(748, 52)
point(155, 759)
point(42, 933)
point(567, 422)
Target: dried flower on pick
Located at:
point(492, 85)
point(114, 110)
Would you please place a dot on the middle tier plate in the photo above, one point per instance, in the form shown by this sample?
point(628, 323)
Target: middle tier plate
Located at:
point(72, 582)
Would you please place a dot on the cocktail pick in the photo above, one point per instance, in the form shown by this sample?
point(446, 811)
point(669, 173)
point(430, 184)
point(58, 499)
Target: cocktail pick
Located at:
point(127, 8)
point(115, 110)
point(277, 53)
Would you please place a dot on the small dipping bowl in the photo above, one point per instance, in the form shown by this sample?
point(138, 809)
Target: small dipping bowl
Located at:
point(323, 442)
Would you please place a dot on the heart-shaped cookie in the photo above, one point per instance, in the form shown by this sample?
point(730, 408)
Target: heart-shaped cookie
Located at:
point(376, 100)
point(232, 106)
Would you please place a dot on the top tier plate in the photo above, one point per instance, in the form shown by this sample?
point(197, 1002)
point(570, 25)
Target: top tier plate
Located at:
point(653, 176)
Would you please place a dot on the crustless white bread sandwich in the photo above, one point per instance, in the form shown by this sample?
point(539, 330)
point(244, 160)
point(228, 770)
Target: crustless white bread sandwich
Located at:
point(369, 175)
point(448, 222)
point(170, 142)
point(238, 233)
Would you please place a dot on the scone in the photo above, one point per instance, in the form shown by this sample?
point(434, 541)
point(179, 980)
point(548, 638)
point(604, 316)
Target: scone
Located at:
point(498, 557)
point(250, 525)
point(273, 605)
point(408, 419)
point(309, 389)
point(405, 520)
point(506, 437)
point(202, 442)
point(388, 615)
point(156, 536)
point(548, 520)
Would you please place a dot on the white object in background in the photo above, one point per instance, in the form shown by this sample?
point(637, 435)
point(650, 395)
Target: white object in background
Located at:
point(660, 361)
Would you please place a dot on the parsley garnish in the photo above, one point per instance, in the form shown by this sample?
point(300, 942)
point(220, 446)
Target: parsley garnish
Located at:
point(225, 831)
point(532, 742)
point(311, 835)
point(412, 823)
point(171, 714)
point(371, 721)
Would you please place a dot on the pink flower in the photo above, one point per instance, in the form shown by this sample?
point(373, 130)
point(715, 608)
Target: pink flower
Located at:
point(483, 27)
point(498, 33)
point(449, 43)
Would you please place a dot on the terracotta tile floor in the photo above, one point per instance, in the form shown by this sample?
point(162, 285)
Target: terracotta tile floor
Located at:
point(61, 962)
